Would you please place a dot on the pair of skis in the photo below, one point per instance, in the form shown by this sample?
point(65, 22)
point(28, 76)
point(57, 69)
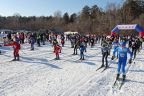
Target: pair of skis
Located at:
point(101, 68)
point(105, 67)
point(118, 84)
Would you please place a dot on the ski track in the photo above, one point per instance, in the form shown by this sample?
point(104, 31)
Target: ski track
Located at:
point(39, 75)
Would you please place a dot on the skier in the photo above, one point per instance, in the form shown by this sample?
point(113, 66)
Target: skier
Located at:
point(76, 46)
point(38, 39)
point(57, 50)
point(82, 49)
point(92, 42)
point(32, 42)
point(122, 56)
point(115, 45)
point(16, 47)
point(105, 52)
point(62, 40)
point(135, 47)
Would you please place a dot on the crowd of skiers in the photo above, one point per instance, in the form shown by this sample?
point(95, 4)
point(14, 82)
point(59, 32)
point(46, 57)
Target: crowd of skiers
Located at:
point(121, 45)
point(121, 50)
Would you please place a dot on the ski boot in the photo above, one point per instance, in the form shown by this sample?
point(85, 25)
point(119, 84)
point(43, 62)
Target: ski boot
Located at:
point(18, 58)
point(102, 65)
point(83, 58)
point(32, 49)
point(117, 76)
point(124, 76)
point(14, 60)
point(106, 66)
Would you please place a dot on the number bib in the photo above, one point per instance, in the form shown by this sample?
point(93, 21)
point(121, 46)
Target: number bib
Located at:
point(122, 55)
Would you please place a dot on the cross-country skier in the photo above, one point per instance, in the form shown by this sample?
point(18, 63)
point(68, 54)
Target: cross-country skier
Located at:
point(115, 45)
point(92, 42)
point(62, 40)
point(105, 52)
point(82, 49)
point(76, 46)
point(32, 42)
point(16, 47)
point(122, 58)
point(135, 47)
point(57, 50)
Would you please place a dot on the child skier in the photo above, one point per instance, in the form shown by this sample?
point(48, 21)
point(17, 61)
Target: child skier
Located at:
point(122, 56)
point(32, 42)
point(57, 50)
point(62, 40)
point(16, 47)
point(82, 49)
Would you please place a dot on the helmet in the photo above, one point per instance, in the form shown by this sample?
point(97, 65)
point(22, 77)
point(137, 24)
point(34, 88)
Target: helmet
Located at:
point(123, 43)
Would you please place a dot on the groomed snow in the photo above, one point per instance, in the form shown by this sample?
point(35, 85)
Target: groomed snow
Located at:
point(37, 74)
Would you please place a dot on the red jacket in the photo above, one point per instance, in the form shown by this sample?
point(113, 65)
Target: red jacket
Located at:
point(15, 45)
point(57, 49)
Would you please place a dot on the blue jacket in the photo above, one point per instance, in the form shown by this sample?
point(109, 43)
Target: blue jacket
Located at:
point(122, 52)
point(82, 48)
point(32, 40)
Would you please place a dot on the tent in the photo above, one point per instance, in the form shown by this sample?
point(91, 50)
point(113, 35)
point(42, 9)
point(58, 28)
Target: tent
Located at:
point(69, 32)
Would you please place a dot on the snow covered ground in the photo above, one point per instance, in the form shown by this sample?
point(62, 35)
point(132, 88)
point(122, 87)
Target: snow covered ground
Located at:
point(38, 74)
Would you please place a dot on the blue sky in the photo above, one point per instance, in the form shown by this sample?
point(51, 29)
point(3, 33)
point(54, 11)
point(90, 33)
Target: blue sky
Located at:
point(48, 7)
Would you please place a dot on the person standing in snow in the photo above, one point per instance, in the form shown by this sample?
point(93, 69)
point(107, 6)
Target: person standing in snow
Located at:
point(62, 40)
point(16, 47)
point(105, 52)
point(122, 58)
point(82, 49)
point(57, 50)
point(135, 47)
point(92, 42)
point(38, 39)
point(32, 42)
point(115, 45)
point(76, 46)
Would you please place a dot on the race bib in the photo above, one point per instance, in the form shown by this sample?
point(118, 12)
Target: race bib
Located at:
point(122, 55)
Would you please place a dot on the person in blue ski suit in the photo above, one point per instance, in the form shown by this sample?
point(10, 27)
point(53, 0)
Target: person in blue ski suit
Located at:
point(82, 49)
point(122, 58)
point(32, 42)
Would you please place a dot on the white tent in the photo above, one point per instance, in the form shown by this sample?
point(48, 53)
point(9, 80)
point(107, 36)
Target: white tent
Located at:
point(69, 32)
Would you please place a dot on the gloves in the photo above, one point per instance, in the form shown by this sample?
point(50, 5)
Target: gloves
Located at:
point(130, 60)
point(113, 57)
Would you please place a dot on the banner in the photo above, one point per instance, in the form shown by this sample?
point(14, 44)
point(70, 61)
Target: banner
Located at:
point(127, 27)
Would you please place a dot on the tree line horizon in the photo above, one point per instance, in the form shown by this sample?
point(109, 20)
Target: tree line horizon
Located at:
point(90, 20)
